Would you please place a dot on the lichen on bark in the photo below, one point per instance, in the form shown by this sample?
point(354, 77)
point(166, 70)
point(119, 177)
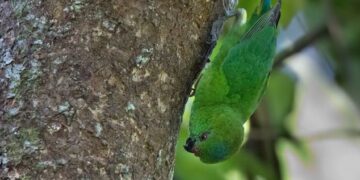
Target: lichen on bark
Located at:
point(94, 89)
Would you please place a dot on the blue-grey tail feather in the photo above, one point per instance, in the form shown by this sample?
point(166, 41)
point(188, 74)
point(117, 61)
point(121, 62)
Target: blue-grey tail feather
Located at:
point(266, 4)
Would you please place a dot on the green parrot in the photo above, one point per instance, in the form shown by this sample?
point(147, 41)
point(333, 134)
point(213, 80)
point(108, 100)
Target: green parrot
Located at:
point(231, 87)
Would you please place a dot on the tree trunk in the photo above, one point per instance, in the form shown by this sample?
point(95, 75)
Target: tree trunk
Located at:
point(94, 89)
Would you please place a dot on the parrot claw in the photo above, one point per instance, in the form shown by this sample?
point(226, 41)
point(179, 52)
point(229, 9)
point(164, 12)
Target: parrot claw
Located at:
point(230, 10)
point(230, 6)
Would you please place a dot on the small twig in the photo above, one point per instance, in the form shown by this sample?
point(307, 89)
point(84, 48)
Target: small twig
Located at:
point(300, 44)
point(336, 35)
point(332, 134)
point(268, 142)
point(335, 30)
point(257, 134)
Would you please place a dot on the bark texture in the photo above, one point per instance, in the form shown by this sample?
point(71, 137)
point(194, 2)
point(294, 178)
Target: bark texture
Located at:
point(94, 89)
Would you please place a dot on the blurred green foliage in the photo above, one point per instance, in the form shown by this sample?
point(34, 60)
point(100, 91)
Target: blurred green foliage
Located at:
point(342, 43)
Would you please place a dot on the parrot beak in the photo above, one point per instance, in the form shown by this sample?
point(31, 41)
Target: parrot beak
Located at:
point(190, 146)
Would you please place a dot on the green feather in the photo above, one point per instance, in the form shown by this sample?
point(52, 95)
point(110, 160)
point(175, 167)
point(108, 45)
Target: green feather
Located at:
point(231, 87)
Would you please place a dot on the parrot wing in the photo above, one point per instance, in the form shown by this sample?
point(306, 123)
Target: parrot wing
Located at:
point(247, 65)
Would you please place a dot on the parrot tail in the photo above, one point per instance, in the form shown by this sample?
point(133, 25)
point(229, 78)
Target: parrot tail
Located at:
point(266, 4)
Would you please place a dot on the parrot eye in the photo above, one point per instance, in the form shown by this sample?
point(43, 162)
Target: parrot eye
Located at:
point(204, 136)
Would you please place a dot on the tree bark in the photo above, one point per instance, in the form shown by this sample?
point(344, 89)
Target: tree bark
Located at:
point(94, 89)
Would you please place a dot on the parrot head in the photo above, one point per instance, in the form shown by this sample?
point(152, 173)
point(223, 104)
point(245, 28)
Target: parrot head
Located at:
point(215, 137)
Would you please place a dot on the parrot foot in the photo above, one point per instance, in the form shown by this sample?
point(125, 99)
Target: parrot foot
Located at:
point(230, 7)
point(230, 10)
